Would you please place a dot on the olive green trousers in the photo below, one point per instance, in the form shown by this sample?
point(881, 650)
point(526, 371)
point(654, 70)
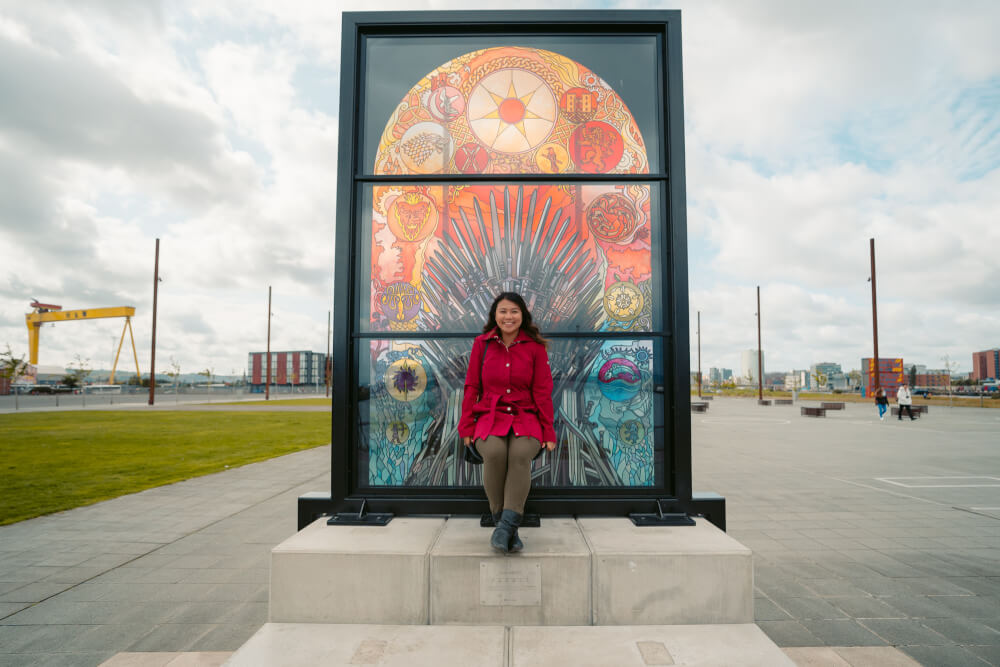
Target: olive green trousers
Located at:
point(507, 470)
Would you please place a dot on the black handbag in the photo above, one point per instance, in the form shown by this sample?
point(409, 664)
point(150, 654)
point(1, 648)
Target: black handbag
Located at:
point(471, 454)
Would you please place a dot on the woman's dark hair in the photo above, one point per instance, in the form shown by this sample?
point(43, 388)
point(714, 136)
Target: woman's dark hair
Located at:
point(527, 326)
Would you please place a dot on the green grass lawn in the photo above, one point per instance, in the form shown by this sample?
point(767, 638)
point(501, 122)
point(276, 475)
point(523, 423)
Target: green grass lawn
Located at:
point(56, 461)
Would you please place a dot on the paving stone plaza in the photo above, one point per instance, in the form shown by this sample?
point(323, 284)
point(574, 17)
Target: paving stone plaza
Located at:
point(875, 543)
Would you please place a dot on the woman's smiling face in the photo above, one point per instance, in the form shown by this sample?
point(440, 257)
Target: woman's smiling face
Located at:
point(508, 317)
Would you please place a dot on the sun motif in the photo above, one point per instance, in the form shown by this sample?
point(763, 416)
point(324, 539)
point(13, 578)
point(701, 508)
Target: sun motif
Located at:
point(512, 111)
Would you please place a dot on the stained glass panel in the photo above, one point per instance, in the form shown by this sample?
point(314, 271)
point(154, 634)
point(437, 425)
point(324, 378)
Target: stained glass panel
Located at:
point(581, 255)
point(608, 422)
point(482, 105)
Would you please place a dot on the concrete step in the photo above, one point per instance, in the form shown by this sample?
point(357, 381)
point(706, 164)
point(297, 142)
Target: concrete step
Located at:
point(599, 571)
point(546, 584)
point(294, 644)
point(667, 575)
point(354, 574)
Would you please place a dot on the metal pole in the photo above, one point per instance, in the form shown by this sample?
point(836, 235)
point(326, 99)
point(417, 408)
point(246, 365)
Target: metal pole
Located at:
point(267, 380)
point(699, 354)
point(760, 354)
point(877, 371)
point(326, 362)
point(152, 354)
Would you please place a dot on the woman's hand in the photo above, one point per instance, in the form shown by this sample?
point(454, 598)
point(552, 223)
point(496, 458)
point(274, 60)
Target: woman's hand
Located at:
point(551, 446)
point(467, 440)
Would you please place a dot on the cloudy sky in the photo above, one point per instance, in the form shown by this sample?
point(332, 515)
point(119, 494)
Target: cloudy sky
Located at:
point(212, 125)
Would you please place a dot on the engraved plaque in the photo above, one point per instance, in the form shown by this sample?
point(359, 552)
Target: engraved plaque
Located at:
point(511, 582)
point(654, 653)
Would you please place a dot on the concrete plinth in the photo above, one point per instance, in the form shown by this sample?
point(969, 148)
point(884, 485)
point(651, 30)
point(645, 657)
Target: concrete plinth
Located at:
point(354, 574)
point(668, 575)
point(548, 583)
point(689, 645)
point(309, 645)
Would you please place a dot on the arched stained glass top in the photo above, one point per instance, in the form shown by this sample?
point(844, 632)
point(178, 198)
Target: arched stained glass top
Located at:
point(511, 110)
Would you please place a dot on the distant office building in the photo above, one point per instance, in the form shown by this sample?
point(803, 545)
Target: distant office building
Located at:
point(727, 374)
point(986, 365)
point(748, 365)
point(289, 369)
point(797, 380)
point(890, 373)
point(933, 378)
point(714, 376)
point(774, 380)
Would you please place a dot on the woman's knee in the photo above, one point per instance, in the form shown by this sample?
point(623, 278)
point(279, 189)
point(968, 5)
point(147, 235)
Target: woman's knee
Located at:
point(523, 450)
point(492, 449)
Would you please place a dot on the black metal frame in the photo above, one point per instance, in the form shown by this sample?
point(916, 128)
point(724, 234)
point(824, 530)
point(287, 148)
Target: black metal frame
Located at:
point(675, 495)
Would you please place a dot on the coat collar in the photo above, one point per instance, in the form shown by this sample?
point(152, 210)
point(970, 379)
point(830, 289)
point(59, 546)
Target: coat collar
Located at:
point(494, 334)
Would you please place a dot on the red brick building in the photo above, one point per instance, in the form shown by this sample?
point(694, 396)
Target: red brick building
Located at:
point(289, 369)
point(934, 379)
point(986, 365)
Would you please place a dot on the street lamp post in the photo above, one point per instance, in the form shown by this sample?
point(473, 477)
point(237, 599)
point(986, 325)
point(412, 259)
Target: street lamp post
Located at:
point(152, 354)
point(699, 354)
point(760, 354)
point(876, 371)
point(267, 380)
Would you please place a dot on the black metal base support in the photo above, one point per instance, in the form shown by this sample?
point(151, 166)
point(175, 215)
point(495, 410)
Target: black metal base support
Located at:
point(362, 518)
point(527, 521)
point(661, 518)
point(312, 506)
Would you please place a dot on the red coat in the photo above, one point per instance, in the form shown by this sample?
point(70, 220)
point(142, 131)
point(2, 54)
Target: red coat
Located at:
point(515, 390)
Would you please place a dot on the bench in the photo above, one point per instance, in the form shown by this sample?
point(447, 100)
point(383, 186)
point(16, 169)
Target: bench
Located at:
point(699, 407)
point(812, 412)
point(782, 401)
point(763, 401)
point(832, 406)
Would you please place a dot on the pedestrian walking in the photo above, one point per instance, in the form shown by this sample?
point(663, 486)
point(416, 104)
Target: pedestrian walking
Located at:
point(882, 402)
point(905, 400)
point(507, 411)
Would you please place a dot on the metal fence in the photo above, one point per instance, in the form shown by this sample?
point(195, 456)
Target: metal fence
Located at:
point(140, 396)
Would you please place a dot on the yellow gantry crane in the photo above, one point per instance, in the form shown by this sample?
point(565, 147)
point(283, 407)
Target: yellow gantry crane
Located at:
point(47, 312)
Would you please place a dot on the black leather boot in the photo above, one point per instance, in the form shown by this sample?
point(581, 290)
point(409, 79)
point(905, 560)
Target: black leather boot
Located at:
point(506, 527)
point(515, 542)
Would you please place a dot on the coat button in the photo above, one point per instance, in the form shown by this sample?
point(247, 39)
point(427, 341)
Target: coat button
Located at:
point(508, 409)
point(508, 391)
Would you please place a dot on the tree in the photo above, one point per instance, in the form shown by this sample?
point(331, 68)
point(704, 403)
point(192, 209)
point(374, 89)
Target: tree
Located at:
point(821, 380)
point(78, 372)
point(208, 373)
point(175, 372)
point(949, 366)
point(913, 376)
point(855, 377)
point(10, 366)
